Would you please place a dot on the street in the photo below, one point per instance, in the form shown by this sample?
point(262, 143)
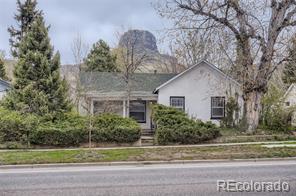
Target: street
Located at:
point(171, 179)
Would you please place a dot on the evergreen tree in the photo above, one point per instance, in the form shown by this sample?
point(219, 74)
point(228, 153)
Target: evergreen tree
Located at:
point(100, 58)
point(289, 72)
point(38, 87)
point(2, 70)
point(27, 13)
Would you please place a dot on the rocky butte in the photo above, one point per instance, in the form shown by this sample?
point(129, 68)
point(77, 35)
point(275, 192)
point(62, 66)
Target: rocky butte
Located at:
point(144, 42)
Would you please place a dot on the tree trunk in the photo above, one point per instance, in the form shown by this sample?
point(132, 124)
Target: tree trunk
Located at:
point(252, 110)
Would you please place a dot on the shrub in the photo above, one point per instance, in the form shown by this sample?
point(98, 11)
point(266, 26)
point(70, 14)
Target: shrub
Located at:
point(114, 128)
point(276, 116)
point(173, 126)
point(69, 130)
point(56, 136)
point(231, 116)
point(15, 127)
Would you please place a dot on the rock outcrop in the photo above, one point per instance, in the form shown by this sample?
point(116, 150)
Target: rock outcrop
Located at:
point(145, 42)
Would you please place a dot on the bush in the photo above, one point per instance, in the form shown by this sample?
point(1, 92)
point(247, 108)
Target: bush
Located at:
point(173, 126)
point(69, 130)
point(114, 128)
point(276, 116)
point(231, 117)
point(15, 127)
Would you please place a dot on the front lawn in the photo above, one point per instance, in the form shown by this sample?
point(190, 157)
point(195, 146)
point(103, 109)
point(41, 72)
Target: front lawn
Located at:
point(144, 154)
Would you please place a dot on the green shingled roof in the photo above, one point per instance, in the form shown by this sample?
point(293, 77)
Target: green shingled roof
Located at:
point(107, 82)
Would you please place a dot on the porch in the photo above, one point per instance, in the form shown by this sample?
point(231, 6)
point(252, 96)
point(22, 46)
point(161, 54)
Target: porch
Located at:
point(139, 108)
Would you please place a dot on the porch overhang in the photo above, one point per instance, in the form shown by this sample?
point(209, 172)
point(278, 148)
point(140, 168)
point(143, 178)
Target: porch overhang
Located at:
point(135, 95)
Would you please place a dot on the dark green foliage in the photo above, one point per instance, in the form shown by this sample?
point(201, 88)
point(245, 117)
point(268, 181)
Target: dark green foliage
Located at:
point(72, 130)
point(27, 13)
point(231, 108)
point(15, 127)
point(289, 72)
point(114, 128)
point(100, 58)
point(59, 135)
point(173, 126)
point(2, 70)
point(38, 87)
point(68, 130)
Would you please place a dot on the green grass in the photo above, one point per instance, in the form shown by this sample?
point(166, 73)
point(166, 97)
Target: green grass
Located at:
point(141, 154)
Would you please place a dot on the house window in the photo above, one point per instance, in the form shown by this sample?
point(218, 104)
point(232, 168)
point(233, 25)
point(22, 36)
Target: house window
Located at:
point(178, 102)
point(217, 107)
point(137, 111)
point(115, 107)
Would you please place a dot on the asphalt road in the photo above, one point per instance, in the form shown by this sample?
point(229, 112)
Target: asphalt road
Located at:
point(188, 179)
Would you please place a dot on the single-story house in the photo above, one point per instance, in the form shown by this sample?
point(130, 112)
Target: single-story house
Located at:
point(290, 100)
point(201, 91)
point(4, 87)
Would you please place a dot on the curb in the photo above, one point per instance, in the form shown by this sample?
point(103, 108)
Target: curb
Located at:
point(141, 163)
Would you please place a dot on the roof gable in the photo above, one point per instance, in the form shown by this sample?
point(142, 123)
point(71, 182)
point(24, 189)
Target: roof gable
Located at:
point(5, 83)
point(291, 87)
point(190, 69)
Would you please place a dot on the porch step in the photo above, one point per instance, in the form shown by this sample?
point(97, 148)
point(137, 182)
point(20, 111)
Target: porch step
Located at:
point(147, 140)
point(148, 132)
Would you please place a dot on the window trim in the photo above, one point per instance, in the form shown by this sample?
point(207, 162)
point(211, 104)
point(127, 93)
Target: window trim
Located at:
point(216, 117)
point(145, 110)
point(178, 97)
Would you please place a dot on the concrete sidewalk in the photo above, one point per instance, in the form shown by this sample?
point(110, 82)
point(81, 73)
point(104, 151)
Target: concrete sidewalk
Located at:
point(157, 147)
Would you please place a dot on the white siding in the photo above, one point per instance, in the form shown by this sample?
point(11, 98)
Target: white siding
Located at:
point(198, 86)
point(2, 94)
point(291, 99)
point(3, 90)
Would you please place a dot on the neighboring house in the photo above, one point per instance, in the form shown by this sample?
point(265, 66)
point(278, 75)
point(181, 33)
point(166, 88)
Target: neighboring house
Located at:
point(290, 100)
point(201, 91)
point(4, 87)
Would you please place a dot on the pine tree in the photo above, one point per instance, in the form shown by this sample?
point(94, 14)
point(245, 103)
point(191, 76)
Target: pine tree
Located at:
point(100, 58)
point(289, 72)
point(27, 13)
point(2, 70)
point(38, 87)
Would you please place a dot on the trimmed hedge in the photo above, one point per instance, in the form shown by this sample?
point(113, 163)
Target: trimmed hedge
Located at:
point(173, 126)
point(15, 127)
point(115, 129)
point(73, 129)
point(70, 130)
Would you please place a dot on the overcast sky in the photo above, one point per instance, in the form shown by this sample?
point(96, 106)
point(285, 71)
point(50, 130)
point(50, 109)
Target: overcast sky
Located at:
point(92, 19)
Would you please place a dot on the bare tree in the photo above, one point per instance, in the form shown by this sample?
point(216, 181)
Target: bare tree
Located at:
point(79, 52)
point(79, 93)
point(130, 59)
point(258, 30)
